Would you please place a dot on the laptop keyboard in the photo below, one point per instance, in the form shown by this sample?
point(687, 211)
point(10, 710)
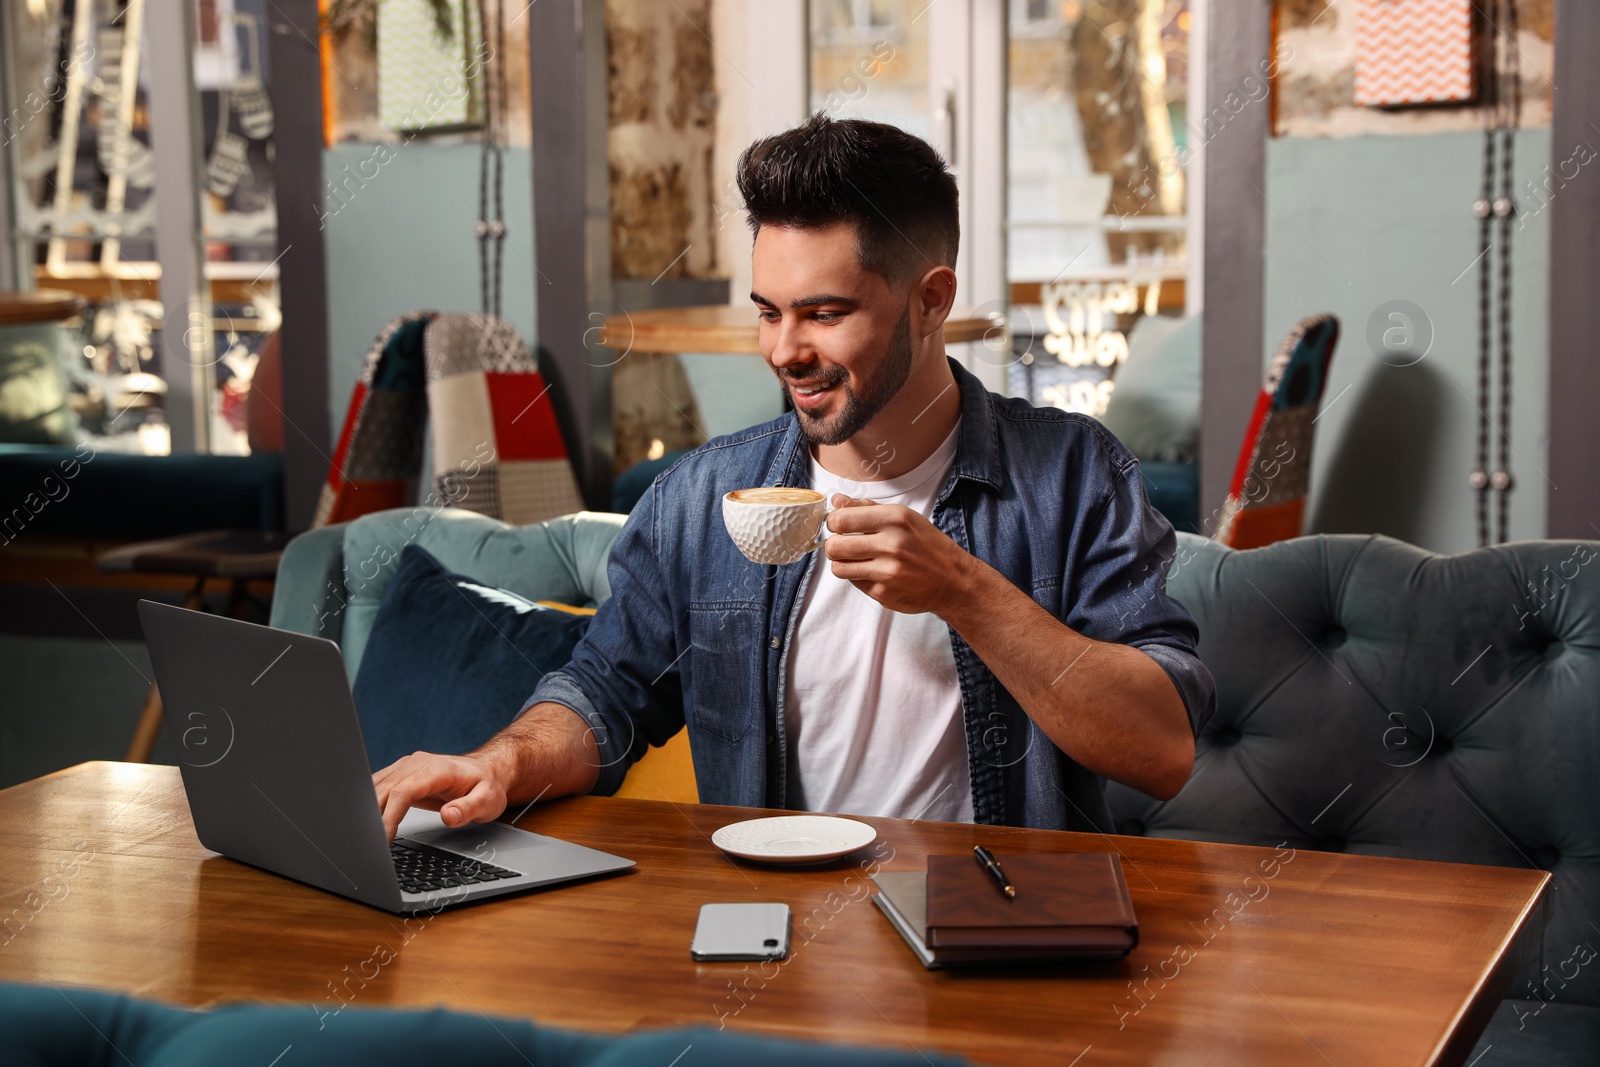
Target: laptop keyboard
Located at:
point(423, 868)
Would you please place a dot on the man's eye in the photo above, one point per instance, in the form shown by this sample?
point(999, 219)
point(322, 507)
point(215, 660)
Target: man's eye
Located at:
point(829, 316)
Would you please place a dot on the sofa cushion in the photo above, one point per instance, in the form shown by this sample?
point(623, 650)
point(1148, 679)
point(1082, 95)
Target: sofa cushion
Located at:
point(1155, 407)
point(48, 1026)
point(563, 559)
point(1174, 490)
point(1376, 698)
point(451, 660)
point(84, 493)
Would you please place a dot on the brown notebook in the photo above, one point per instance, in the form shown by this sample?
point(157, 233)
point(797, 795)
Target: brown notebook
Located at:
point(1077, 901)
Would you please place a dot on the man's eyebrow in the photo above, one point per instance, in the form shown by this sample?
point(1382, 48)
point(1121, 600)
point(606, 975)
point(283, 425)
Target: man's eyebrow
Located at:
point(808, 301)
point(822, 298)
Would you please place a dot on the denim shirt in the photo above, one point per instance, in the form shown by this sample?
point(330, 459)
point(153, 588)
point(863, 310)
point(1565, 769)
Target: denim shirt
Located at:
point(695, 634)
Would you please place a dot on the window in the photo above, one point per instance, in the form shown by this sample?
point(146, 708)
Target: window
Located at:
point(83, 164)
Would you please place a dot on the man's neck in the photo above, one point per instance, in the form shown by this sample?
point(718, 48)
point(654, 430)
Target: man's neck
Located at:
point(906, 431)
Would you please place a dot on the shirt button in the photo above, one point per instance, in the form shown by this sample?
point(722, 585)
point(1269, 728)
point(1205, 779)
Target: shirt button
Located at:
point(776, 642)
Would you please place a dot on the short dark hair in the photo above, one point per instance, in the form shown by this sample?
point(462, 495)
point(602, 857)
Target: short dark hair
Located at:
point(892, 186)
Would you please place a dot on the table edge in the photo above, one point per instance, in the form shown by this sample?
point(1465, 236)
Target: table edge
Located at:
point(1451, 1042)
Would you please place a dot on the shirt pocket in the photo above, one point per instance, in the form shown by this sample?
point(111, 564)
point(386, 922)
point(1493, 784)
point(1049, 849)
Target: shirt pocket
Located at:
point(722, 687)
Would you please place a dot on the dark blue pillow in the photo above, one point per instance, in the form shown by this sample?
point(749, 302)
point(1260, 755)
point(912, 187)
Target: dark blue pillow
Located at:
point(452, 660)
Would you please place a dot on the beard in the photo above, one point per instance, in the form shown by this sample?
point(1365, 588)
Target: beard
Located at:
point(861, 408)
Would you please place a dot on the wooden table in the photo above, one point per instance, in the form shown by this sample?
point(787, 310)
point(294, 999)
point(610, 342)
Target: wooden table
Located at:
point(726, 330)
point(38, 305)
point(1350, 960)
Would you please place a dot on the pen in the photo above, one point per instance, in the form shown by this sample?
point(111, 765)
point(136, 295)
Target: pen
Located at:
point(987, 861)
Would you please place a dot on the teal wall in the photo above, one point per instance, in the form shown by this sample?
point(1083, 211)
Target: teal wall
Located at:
point(400, 239)
point(1353, 223)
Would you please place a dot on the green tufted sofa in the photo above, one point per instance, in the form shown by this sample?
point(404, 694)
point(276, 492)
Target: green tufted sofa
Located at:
point(1458, 697)
point(1375, 698)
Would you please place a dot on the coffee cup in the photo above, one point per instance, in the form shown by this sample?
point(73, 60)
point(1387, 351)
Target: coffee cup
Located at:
point(775, 524)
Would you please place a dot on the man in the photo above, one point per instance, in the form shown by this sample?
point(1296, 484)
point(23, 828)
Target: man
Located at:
point(988, 635)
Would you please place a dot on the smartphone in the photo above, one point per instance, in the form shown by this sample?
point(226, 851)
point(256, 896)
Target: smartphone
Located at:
point(741, 932)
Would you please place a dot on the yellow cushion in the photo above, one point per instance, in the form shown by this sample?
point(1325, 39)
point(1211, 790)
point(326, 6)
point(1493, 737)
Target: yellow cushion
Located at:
point(568, 608)
point(665, 773)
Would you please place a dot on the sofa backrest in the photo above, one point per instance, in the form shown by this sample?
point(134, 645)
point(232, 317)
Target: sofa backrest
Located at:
point(1375, 698)
point(332, 580)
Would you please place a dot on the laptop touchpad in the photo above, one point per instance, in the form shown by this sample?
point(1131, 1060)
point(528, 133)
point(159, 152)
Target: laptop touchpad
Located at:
point(492, 842)
point(473, 838)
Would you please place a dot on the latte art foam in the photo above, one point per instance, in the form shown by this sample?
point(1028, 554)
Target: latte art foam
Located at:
point(775, 495)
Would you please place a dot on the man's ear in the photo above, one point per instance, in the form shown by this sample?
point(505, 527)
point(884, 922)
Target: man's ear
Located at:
point(933, 295)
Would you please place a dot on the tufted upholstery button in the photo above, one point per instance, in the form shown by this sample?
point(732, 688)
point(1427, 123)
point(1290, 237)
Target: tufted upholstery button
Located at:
point(1329, 844)
point(1131, 827)
point(1546, 856)
point(1554, 649)
point(1336, 637)
point(1227, 735)
point(1441, 745)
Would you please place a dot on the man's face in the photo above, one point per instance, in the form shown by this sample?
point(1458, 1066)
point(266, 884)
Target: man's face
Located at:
point(836, 334)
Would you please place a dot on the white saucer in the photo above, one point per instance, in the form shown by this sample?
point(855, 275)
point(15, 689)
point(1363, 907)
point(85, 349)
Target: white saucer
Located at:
point(794, 839)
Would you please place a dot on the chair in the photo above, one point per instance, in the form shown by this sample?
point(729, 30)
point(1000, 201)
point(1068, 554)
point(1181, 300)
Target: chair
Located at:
point(496, 447)
point(331, 581)
point(1267, 498)
point(1378, 699)
point(1155, 412)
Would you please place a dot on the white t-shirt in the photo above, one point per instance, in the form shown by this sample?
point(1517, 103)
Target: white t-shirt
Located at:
point(872, 706)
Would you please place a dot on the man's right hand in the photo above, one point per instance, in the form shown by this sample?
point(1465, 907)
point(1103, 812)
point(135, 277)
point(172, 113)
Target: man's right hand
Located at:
point(547, 752)
point(461, 789)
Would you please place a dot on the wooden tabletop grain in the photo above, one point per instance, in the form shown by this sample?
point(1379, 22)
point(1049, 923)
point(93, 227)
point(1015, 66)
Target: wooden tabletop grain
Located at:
point(728, 330)
point(1246, 955)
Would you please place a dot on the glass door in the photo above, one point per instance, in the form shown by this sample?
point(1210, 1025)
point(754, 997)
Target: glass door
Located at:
point(1097, 185)
point(935, 70)
point(869, 60)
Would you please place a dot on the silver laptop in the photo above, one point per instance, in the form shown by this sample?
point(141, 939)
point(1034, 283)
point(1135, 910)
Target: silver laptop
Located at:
point(270, 750)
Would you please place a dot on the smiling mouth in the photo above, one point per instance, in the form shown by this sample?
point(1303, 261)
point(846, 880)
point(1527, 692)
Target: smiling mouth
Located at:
point(811, 389)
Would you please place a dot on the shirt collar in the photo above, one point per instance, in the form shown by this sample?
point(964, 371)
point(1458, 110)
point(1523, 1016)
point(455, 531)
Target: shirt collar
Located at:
point(977, 451)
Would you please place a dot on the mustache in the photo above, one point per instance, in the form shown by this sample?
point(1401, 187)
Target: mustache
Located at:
point(829, 377)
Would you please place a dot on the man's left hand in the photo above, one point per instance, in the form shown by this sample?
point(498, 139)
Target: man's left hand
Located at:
point(894, 555)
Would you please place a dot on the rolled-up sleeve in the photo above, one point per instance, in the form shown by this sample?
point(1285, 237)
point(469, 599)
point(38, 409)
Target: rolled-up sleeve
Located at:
point(1117, 587)
point(623, 678)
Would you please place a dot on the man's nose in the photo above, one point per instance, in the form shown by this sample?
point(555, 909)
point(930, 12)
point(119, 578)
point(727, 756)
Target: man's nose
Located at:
point(786, 349)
